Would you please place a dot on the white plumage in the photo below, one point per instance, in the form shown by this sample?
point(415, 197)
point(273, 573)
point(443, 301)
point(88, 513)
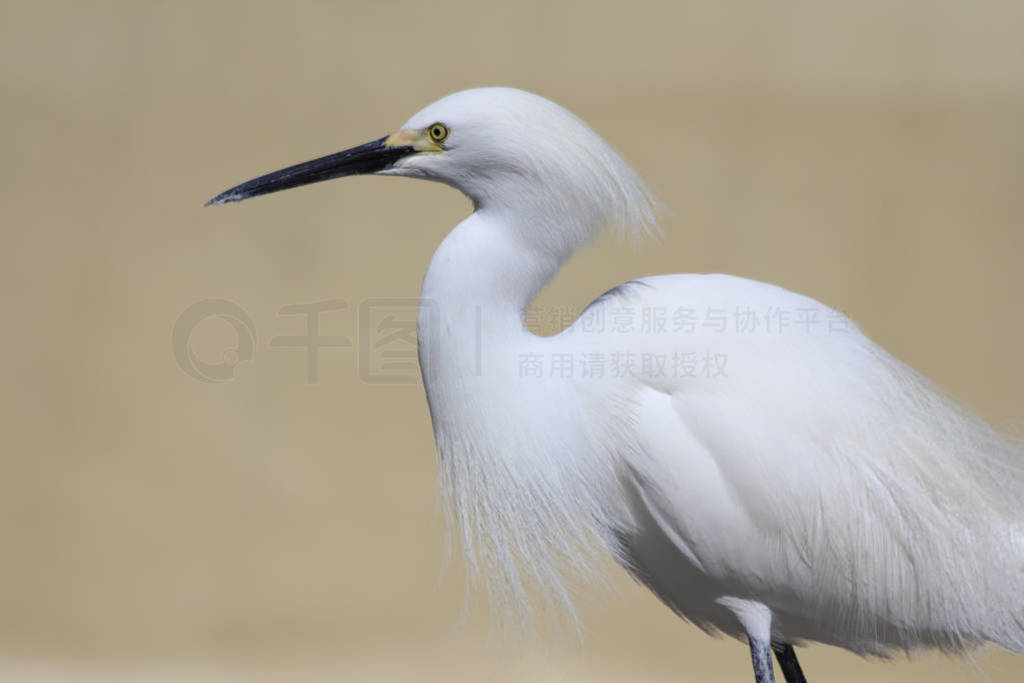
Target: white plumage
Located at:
point(781, 484)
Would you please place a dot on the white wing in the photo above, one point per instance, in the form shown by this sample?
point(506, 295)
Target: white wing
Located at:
point(786, 457)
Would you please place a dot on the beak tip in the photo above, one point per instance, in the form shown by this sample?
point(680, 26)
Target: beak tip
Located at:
point(223, 198)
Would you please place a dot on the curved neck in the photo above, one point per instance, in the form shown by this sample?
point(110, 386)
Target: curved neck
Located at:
point(486, 263)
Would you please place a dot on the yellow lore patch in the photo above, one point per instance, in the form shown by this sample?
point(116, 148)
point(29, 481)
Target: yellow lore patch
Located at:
point(417, 139)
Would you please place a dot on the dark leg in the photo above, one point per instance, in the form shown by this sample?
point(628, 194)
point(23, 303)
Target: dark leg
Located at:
point(761, 654)
point(786, 655)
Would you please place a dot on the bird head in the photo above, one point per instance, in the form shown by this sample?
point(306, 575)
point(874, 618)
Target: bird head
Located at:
point(506, 149)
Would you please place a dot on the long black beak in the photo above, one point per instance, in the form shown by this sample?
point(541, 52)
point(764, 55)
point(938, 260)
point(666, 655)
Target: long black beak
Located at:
point(369, 158)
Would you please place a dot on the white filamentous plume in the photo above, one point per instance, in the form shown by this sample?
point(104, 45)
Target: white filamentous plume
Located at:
point(782, 483)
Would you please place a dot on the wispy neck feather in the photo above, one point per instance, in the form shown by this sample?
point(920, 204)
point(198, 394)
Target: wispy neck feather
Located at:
point(528, 513)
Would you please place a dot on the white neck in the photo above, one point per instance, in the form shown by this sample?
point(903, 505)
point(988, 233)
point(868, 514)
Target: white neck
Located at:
point(506, 484)
point(486, 261)
point(479, 283)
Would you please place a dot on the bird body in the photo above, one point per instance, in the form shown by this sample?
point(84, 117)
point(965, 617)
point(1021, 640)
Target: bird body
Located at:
point(798, 464)
point(744, 451)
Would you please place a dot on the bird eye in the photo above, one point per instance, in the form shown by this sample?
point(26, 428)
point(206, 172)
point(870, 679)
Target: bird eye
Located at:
point(438, 132)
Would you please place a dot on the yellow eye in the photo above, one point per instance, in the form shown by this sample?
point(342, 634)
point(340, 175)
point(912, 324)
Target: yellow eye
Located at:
point(438, 132)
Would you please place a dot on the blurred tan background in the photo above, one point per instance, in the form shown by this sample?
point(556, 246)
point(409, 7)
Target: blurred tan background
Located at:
point(154, 526)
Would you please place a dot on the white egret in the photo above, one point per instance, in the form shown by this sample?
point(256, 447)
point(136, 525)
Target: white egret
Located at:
point(745, 452)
